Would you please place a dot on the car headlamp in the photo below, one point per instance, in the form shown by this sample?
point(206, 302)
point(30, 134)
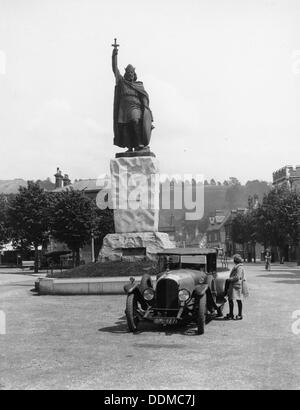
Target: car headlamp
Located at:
point(183, 295)
point(148, 294)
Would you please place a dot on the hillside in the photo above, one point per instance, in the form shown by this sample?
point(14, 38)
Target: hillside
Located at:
point(222, 197)
point(11, 186)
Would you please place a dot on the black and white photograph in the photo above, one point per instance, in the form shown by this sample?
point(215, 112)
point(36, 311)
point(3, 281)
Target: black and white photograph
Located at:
point(149, 197)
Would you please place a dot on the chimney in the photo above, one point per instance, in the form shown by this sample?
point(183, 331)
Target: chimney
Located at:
point(58, 179)
point(66, 180)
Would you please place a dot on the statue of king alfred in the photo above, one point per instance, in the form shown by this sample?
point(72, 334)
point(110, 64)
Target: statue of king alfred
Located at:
point(132, 115)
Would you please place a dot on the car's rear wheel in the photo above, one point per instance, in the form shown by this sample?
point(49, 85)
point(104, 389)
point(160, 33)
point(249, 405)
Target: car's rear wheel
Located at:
point(132, 312)
point(201, 314)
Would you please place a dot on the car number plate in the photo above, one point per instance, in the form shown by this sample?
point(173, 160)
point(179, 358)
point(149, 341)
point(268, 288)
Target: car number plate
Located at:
point(165, 320)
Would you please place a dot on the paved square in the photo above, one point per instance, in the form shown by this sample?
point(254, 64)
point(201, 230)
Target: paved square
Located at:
point(82, 342)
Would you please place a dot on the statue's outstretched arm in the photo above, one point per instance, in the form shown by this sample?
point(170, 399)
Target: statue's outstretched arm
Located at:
point(115, 63)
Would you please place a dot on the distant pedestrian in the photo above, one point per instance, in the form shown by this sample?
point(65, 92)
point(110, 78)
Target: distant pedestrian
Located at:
point(268, 259)
point(236, 288)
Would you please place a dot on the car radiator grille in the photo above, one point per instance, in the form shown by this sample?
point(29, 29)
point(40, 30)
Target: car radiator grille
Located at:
point(167, 294)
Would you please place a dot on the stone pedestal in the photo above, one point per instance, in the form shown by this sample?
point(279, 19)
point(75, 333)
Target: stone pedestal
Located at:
point(133, 246)
point(135, 194)
point(135, 200)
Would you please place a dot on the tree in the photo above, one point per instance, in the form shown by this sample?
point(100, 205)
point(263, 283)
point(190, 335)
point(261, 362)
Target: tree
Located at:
point(72, 223)
point(243, 230)
point(46, 184)
point(103, 224)
point(28, 217)
point(266, 221)
point(276, 219)
point(234, 197)
point(4, 230)
point(234, 181)
point(256, 187)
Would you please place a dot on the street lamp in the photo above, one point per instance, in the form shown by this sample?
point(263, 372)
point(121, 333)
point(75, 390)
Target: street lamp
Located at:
point(93, 246)
point(298, 245)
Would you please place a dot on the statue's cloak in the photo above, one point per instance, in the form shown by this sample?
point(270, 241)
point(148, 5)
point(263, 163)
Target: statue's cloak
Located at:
point(122, 132)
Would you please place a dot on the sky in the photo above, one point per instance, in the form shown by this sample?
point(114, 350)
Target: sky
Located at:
point(223, 78)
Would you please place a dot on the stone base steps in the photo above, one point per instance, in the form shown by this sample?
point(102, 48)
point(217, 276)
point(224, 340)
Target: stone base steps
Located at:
point(82, 286)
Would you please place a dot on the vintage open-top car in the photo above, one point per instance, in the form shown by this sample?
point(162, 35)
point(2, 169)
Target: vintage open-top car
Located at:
point(187, 289)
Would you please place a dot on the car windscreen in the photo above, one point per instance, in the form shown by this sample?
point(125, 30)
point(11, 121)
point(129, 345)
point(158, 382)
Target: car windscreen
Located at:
point(194, 266)
point(169, 261)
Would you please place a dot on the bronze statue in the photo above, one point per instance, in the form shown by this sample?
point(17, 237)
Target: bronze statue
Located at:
point(132, 115)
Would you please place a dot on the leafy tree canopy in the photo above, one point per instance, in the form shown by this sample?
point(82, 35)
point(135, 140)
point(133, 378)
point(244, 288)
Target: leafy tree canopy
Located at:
point(242, 228)
point(4, 229)
point(28, 214)
point(73, 220)
point(277, 218)
point(28, 217)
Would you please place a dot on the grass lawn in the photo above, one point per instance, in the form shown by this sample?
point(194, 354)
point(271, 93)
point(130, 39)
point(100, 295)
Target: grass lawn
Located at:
point(112, 268)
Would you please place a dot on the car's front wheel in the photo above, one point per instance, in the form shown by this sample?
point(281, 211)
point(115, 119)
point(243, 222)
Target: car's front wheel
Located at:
point(131, 311)
point(201, 314)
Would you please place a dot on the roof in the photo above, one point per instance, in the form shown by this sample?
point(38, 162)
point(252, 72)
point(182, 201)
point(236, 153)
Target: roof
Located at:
point(217, 226)
point(87, 185)
point(57, 253)
point(187, 251)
